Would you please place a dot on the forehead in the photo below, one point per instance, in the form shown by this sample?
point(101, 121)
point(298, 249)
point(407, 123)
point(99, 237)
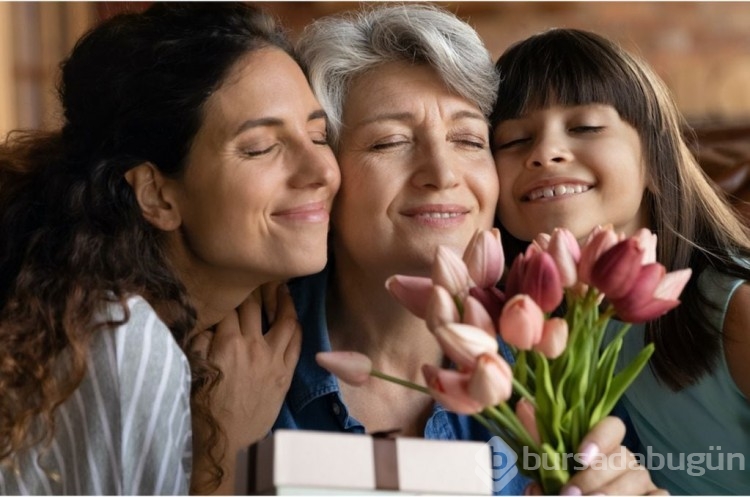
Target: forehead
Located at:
point(261, 83)
point(399, 86)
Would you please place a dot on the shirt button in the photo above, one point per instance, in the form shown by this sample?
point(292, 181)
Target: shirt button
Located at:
point(336, 408)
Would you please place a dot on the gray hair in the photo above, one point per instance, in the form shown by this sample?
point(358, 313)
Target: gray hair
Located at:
point(336, 49)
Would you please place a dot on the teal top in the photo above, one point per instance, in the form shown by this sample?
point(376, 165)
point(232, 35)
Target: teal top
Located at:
point(695, 441)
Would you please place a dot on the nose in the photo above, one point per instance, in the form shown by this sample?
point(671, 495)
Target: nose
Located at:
point(548, 150)
point(315, 166)
point(434, 166)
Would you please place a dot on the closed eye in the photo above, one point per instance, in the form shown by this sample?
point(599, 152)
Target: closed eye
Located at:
point(258, 153)
point(512, 143)
point(388, 145)
point(469, 141)
point(587, 129)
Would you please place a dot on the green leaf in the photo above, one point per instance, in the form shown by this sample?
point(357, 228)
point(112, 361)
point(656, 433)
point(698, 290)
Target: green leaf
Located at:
point(624, 378)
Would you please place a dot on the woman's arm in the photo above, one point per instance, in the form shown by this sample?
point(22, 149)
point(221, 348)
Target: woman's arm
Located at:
point(737, 338)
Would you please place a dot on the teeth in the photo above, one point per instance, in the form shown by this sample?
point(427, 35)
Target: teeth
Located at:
point(557, 191)
point(440, 215)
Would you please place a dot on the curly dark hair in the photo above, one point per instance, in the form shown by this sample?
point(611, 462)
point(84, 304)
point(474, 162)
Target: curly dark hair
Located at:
point(72, 236)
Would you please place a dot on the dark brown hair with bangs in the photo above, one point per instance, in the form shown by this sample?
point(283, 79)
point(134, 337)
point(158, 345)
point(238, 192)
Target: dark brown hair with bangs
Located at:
point(574, 67)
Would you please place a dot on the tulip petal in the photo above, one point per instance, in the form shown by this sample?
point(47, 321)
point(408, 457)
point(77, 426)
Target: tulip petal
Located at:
point(492, 299)
point(521, 322)
point(554, 338)
point(441, 309)
point(600, 240)
point(491, 381)
point(475, 314)
point(542, 282)
point(484, 258)
point(672, 284)
point(449, 388)
point(616, 270)
point(412, 291)
point(350, 367)
point(565, 251)
point(527, 415)
point(647, 241)
point(450, 271)
point(463, 343)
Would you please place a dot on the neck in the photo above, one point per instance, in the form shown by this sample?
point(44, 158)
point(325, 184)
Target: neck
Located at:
point(364, 317)
point(214, 292)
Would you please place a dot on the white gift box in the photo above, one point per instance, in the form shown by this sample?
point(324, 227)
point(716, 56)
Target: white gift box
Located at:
point(326, 463)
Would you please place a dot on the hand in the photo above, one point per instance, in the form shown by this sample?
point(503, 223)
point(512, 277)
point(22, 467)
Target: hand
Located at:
point(611, 469)
point(256, 372)
point(257, 369)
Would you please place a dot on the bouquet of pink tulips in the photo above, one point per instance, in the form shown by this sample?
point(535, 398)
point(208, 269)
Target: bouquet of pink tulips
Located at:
point(563, 380)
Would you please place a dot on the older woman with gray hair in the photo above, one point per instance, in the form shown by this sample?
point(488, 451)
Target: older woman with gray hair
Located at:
point(407, 90)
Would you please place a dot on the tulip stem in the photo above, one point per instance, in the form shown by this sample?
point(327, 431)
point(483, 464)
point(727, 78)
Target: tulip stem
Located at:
point(521, 389)
point(399, 381)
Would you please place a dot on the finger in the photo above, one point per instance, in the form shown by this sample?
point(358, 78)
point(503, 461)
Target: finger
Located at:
point(294, 347)
point(250, 322)
point(603, 440)
point(605, 437)
point(200, 344)
point(632, 481)
point(227, 331)
point(286, 326)
point(533, 488)
point(270, 299)
point(285, 305)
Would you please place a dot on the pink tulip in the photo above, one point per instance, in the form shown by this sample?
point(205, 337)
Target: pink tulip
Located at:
point(542, 241)
point(463, 343)
point(450, 388)
point(492, 299)
point(535, 274)
point(521, 322)
point(647, 241)
point(491, 381)
point(352, 368)
point(616, 269)
point(476, 315)
point(484, 258)
point(514, 283)
point(565, 251)
point(654, 293)
point(527, 416)
point(597, 243)
point(542, 282)
point(412, 291)
point(441, 308)
point(554, 338)
point(450, 271)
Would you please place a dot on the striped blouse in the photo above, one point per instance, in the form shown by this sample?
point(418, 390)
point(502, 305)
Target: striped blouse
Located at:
point(126, 429)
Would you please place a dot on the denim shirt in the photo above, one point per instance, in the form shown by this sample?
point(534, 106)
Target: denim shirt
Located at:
point(314, 400)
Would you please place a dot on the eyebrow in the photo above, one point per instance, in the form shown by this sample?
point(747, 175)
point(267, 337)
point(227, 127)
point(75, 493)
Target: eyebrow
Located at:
point(275, 121)
point(406, 116)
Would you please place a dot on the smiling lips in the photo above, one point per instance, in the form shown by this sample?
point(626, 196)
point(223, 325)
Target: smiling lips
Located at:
point(561, 190)
point(313, 212)
point(438, 214)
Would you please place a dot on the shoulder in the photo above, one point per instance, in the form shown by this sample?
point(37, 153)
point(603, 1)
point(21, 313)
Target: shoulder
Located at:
point(145, 348)
point(737, 337)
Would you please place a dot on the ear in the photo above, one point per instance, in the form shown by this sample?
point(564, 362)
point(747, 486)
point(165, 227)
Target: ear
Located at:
point(154, 195)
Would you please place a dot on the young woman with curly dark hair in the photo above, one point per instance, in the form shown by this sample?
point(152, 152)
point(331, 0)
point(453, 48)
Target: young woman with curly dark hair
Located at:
point(192, 168)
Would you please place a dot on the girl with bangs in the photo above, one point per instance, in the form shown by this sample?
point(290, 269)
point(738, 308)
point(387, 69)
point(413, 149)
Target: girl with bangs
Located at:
point(585, 134)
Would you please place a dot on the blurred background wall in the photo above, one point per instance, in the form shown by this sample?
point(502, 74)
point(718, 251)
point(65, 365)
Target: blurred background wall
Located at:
point(701, 49)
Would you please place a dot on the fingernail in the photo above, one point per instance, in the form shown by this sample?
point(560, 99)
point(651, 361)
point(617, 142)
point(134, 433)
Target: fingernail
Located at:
point(588, 453)
point(570, 490)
